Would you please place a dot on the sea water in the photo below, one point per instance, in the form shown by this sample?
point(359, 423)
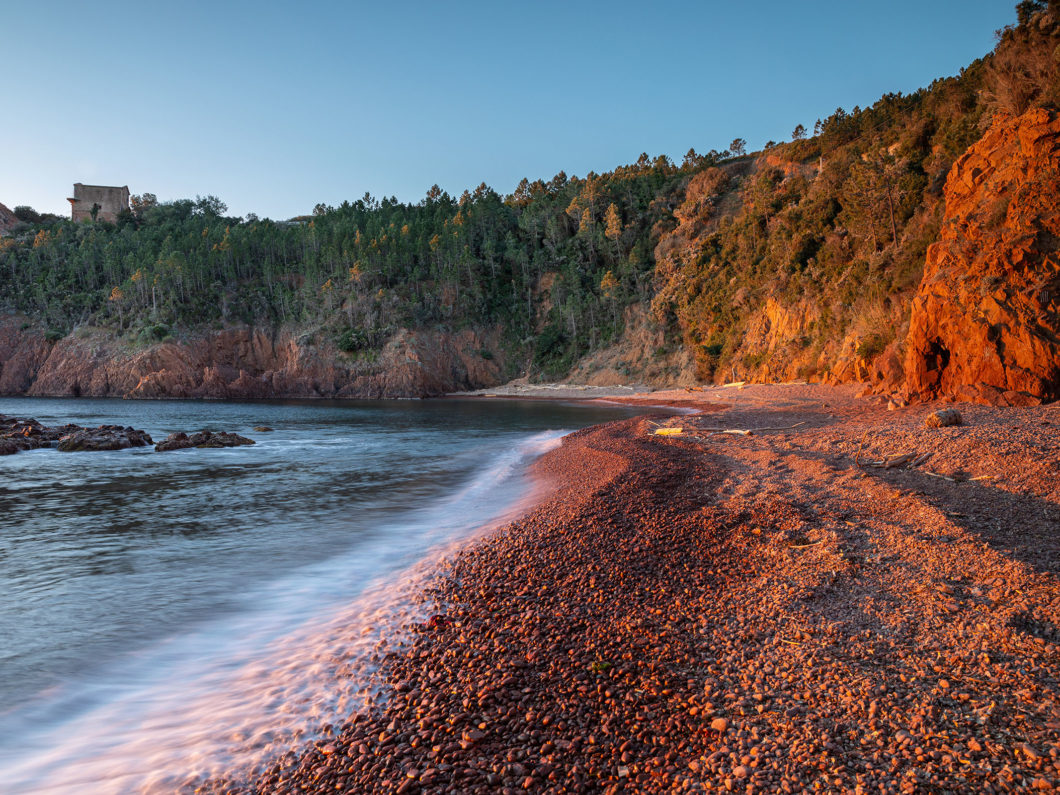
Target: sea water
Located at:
point(167, 617)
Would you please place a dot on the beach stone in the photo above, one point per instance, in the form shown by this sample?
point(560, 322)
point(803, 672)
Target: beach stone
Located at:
point(720, 725)
point(943, 418)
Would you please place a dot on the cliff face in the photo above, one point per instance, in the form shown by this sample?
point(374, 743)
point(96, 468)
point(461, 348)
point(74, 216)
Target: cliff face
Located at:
point(7, 219)
point(985, 323)
point(242, 364)
point(746, 326)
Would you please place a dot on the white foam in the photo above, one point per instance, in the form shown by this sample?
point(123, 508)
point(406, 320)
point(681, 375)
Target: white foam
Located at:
point(235, 692)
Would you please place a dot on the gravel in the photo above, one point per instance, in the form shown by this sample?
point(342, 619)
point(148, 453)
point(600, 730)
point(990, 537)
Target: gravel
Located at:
point(776, 611)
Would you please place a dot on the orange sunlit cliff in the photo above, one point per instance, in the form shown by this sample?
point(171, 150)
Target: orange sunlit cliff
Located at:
point(985, 322)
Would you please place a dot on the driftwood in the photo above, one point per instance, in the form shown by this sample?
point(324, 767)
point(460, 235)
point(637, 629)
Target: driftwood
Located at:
point(937, 475)
point(898, 460)
point(750, 431)
point(908, 460)
point(857, 457)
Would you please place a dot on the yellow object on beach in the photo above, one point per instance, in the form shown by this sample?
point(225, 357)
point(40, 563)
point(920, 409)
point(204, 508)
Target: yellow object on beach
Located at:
point(667, 431)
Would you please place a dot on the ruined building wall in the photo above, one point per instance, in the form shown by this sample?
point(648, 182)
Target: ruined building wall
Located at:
point(111, 201)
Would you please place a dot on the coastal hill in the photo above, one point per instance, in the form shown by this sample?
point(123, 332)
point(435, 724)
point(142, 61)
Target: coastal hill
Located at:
point(8, 220)
point(912, 244)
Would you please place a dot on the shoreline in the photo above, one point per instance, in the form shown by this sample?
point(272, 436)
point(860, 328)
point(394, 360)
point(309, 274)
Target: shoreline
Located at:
point(753, 612)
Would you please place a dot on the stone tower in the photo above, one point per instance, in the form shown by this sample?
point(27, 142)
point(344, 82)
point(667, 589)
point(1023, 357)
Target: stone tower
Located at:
point(109, 201)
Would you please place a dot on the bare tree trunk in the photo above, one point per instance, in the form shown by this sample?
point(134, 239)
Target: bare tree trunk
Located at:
point(890, 207)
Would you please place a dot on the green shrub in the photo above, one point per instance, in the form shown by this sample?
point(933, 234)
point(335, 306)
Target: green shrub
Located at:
point(872, 347)
point(355, 340)
point(351, 340)
point(151, 334)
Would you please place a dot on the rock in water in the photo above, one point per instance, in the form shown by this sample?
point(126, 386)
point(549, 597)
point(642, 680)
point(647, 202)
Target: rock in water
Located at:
point(222, 439)
point(175, 441)
point(943, 417)
point(208, 439)
point(105, 437)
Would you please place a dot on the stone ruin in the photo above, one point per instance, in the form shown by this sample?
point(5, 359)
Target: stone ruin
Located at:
point(107, 202)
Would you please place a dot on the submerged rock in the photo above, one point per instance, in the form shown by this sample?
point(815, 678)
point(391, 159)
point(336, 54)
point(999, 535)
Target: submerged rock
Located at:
point(206, 439)
point(105, 437)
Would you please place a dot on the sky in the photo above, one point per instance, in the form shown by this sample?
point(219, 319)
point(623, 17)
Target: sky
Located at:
point(277, 106)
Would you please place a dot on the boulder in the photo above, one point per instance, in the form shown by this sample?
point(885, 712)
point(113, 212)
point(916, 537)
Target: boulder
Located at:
point(222, 439)
point(27, 434)
point(943, 418)
point(105, 437)
point(202, 439)
point(175, 441)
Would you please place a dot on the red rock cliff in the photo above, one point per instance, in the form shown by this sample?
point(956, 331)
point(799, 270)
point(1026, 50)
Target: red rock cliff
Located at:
point(985, 323)
point(241, 364)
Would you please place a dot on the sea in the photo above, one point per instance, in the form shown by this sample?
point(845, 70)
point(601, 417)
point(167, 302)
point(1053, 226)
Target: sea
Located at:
point(167, 618)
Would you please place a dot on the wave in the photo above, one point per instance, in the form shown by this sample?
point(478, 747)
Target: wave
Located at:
point(236, 691)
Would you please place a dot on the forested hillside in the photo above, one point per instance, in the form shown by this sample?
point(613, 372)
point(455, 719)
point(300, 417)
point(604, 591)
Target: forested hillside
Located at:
point(364, 269)
point(806, 264)
point(798, 261)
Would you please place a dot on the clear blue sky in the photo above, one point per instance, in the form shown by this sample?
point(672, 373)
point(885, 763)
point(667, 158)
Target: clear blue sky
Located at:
point(277, 106)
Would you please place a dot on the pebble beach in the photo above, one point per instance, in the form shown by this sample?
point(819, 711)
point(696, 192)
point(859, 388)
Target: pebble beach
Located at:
point(754, 600)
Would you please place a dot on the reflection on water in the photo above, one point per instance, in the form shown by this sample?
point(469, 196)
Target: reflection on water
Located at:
point(149, 598)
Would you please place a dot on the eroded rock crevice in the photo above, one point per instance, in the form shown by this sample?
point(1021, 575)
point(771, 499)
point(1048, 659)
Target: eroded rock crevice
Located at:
point(985, 323)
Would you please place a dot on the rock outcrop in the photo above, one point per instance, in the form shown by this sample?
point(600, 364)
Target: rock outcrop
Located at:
point(8, 220)
point(244, 363)
point(105, 437)
point(203, 439)
point(985, 323)
point(27, 434)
